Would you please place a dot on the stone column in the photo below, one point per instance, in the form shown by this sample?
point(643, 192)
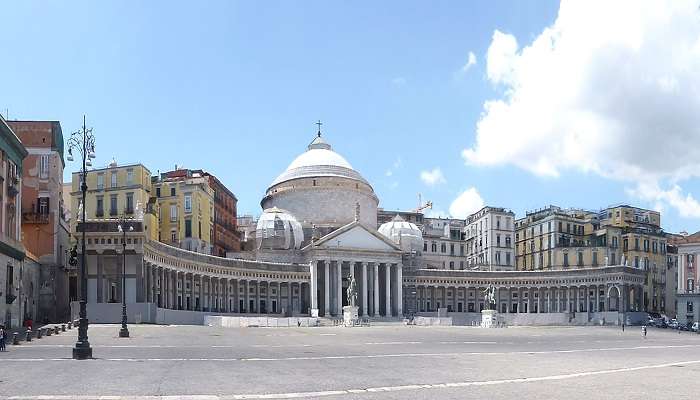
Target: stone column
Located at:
point(558, 309)
point(326, 286)
point(375, 273)
point(290, 299)
point(313, 266)
point(364, 289)
point(399, 291)
point(339, 284)
point(269, 297)
point(246, 296)
point(387, 306)
point(256, 301)
point(234, 295)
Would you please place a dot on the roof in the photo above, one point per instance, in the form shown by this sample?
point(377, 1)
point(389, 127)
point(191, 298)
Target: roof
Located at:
point(10, 142)
point(319, 160)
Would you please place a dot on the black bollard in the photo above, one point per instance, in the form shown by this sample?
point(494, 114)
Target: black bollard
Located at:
point(70, 325)
point(38, 333)
point(63, 327)
point(56, 330)
point(48, 331)
point(28, 338)
point(15, 339)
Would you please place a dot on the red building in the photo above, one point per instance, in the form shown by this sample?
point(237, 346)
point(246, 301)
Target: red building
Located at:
point(224, 235)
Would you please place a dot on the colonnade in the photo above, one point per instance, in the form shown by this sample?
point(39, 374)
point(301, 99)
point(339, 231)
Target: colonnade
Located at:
point(181, 290)
point(524, 299)
point(379, 287)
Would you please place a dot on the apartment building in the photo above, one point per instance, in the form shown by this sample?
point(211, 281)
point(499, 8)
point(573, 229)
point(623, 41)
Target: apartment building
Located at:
point(489, 235)
point(185, 203)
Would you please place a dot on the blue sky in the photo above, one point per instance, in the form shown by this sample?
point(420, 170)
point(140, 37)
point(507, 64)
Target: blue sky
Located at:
point(236, 87)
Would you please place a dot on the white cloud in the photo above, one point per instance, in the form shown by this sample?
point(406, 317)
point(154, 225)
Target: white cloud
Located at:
point(433, 177)
point(471, 61)
point(611, 88)
point(468, 202)
point(388, 172)
point(394, 166)
point(686, 205)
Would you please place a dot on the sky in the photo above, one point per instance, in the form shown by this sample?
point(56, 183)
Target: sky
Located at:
point(519, 104)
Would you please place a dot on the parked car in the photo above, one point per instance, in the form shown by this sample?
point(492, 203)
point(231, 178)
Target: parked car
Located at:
point(661, 323)
point(673, 324)
point(650, 322)
point(694, 328)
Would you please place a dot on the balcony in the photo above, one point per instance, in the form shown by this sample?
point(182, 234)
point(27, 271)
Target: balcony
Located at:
point(113, 212)
point(35, 218)
point(129, 210)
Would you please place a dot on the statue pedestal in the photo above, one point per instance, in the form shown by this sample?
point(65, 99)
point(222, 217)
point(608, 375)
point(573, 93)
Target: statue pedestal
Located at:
point(314, 313)
point(489, 318)
point(350, 317)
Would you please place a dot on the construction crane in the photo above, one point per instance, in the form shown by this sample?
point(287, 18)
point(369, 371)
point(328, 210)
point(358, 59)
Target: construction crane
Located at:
point(421, 206)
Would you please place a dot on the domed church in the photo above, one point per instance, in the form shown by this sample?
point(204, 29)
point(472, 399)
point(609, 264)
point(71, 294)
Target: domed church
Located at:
point(321, 211)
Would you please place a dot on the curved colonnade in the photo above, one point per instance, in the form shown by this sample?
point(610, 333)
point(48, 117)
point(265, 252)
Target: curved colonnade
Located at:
point(184, 280)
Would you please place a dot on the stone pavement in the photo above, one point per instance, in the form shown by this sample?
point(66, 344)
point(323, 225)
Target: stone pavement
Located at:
point(385, 362)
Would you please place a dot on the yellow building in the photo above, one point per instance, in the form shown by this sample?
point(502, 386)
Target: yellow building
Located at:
point(114, 192)
point(185, 204)
point(555, 238)
point(644, 246)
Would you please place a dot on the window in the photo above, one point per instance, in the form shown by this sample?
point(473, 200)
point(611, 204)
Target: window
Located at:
point(636, 261)
point(433, 247)
point(99, 210)
point(100, 181)
point(636, 243)
point(129, 176)
point(425, 247)
point(113, 204)
point(188, 203)
point(443, 248)
point(114, 179)
point(43, 206)
point(595, 258)
point(173, 236)
point(625, 244)
point(507, 258)
point(498, 258)
point(44, 166)
point(498, 240)
point(498, 222)
point(507, 241)
point(129, 203)
point(452, 265)
point(580, 258)
point(172, 191)
point(461, 250)
point(173, 213)
point(157, 192)
point(188, 228)
point(566, 259)
point(452, 249)
point(689, 307)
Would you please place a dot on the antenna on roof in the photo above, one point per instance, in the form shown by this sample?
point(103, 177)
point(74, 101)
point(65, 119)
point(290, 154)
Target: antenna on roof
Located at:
point(319, 127)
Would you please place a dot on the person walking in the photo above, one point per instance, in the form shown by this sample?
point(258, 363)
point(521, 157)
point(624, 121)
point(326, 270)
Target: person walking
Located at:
point(644, 331)
point(623, 326)
point(2, 338)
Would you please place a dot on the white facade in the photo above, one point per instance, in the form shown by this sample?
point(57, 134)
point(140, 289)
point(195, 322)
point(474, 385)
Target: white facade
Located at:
point(490, 239)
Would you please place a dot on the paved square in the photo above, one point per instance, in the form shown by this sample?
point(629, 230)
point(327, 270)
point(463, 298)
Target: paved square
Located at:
point(382, 362)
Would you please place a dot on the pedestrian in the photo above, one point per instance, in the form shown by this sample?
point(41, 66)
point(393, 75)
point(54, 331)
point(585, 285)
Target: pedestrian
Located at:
point(2, 338)
point(623, 326)
point(644, 331)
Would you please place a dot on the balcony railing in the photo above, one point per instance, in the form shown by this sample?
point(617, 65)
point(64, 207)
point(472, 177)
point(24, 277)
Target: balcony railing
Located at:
point(113, 212)
point(100, 213)
point(35, 218)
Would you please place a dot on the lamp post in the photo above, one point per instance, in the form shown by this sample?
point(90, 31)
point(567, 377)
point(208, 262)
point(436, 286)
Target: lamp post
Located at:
point(124, 331)
point(84, 142)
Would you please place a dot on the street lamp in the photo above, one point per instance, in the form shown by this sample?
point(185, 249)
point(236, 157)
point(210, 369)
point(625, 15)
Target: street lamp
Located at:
point(83, 142)
point(124, 331)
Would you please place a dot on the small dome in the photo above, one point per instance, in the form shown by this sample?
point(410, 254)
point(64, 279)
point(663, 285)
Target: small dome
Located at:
point(405, 234)
point(278, 230)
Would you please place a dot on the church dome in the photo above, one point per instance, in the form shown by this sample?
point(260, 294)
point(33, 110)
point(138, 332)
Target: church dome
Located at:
point(318, 160)
point(321, 188)
point(278, 230)
point(405, 234)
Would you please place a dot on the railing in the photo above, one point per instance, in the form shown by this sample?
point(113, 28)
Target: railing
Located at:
point(35, 218)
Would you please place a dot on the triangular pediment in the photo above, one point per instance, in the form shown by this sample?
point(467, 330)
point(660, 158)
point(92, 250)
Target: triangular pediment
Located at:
point(356, 236)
